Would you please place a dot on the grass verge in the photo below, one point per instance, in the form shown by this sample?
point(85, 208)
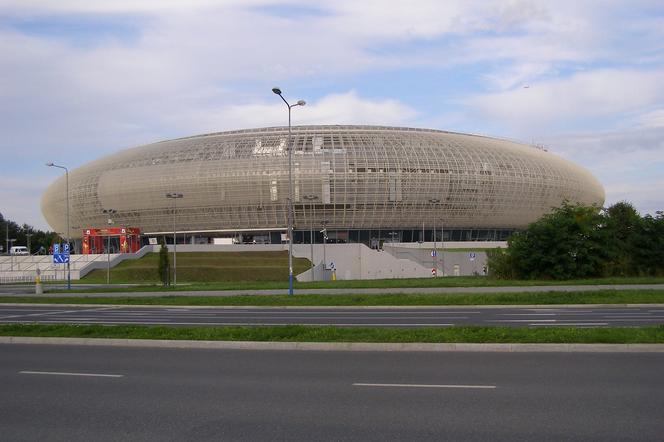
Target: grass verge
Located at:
point(298, 333)
point(282, 283)
point(529, 298)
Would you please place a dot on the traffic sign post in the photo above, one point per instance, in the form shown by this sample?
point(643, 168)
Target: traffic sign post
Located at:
point(60, 257)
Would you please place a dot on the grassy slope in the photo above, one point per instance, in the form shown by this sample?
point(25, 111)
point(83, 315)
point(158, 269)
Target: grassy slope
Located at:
point(206, 267)
point(269, 270)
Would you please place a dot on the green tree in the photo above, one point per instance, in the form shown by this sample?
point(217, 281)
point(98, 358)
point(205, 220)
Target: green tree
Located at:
point(623, 226)
point(567, 243)
point(576, 241)
point(164, 264)
point(647, 246)
point(13, 230)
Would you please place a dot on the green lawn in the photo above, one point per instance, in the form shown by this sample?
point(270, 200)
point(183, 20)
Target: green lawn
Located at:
point(297, 333)
point(205, 267)
point(532, 298)
point(269, 270)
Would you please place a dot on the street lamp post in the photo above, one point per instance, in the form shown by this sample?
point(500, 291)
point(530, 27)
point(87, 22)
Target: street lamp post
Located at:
point(434, 254)
point(11, 257)
point(68, 232)
point(324, 232)
point(29, 235)
point(174, 196)
point(277, 91)
point(442, 244)
point(311, 199)
point(108, 212)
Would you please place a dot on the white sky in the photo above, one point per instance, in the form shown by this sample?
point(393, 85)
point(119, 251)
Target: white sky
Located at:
point(80, 79)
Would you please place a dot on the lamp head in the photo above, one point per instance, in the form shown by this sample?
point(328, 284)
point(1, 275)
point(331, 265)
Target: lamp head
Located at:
point(49, 164)
point(301, 102)
point(276, 90)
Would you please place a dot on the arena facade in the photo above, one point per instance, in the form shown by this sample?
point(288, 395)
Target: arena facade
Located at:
point(363, 183)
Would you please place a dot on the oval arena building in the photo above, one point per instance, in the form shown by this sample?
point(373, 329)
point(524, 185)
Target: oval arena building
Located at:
point(360, 182)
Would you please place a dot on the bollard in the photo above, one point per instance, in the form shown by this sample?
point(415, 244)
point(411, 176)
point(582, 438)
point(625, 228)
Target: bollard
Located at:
point(39, 290)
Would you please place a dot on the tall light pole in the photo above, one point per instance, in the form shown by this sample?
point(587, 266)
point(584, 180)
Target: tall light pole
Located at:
point(324, 232)
point(174, 196)
point(29, 235)
point(108, 212)
point(277, 91)
point(11, 258)
point(68, 232)
point(434, 201)
point(311, 199)
point(442, 243)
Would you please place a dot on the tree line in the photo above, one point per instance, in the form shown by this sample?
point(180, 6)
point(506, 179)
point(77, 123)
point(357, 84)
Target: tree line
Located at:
point(576, 241)
point(38, 238)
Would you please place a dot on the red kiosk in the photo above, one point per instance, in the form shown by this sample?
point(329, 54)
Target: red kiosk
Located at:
point(94, 240)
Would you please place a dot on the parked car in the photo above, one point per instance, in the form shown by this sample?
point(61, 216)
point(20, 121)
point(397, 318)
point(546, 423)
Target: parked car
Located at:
point(19, 250)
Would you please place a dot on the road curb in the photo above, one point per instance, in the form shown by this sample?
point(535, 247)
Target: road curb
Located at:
point(340, 346)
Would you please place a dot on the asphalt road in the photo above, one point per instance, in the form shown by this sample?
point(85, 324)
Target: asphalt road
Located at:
point(71, 393)
point(591, 316)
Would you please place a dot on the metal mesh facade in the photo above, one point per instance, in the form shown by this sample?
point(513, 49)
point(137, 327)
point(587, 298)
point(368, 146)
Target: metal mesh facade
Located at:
point(352, 177)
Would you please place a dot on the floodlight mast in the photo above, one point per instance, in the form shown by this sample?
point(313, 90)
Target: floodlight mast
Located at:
point(277, 91)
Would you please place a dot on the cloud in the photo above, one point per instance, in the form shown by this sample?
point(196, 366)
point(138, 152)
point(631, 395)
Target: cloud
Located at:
point(336, 108)
point(157, 69)
point(629, 164)
point(587, 95)
point(652, 119)
point(20, 199)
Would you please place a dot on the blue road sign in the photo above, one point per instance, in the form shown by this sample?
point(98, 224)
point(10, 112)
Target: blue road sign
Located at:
point(65, 249)
point(60, 258)
point(56, 249)
point(433, 253)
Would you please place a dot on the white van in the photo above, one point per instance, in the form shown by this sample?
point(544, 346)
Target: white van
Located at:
point(19, 250)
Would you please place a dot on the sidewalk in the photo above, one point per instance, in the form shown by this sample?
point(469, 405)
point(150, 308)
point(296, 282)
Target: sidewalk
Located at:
point(356, 291)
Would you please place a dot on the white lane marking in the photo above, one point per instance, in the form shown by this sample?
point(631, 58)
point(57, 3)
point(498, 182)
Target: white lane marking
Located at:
point(527, 314)
point(620, 315)
point(319, 313)
point(487, 387)
point(59, 312)
point(282, 315)
point(522, 320)
point(614, 319)
point(59, 373)
point(570, 324)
